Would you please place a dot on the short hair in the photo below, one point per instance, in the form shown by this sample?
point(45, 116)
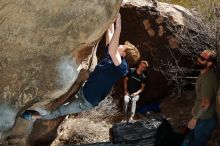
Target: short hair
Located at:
point(132, 53)
point(145, 62)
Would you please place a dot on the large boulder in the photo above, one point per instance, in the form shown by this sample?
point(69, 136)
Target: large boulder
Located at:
point(169, 37)
point(42, 43)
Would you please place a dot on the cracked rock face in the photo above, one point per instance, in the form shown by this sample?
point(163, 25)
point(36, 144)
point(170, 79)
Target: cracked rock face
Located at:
point(40, 45)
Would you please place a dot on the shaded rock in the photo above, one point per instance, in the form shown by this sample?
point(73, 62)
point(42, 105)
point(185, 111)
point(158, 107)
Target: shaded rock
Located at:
point(40, 46)
point(44, 132)
point(20, 132)
point(28, 133)
point(169, 37)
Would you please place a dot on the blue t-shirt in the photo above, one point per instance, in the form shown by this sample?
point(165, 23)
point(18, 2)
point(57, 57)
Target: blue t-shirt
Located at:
point(101, 80)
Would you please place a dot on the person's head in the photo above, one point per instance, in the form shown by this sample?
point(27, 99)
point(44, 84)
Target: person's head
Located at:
point(130, 52)
point(206, 59)
point(143, 65)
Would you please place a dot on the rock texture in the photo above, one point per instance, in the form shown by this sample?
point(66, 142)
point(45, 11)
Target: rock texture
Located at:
point(41, 46)
point(169, 37)
point(40, 39)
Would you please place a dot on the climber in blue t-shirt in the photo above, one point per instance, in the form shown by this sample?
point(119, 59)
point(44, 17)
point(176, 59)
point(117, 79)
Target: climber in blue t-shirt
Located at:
point(111, 68)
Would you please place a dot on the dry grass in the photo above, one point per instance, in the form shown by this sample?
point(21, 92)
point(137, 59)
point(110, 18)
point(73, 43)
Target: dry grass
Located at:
point(89, 127)
point(205, 7)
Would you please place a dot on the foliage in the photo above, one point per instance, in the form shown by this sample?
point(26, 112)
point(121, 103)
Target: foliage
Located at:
point(205, 7)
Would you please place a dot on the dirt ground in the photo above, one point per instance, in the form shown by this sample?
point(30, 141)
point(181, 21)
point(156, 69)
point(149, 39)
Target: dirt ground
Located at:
point(93, 126)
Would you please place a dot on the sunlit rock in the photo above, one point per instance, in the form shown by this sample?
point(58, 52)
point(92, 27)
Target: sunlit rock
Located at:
point(40, 42)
